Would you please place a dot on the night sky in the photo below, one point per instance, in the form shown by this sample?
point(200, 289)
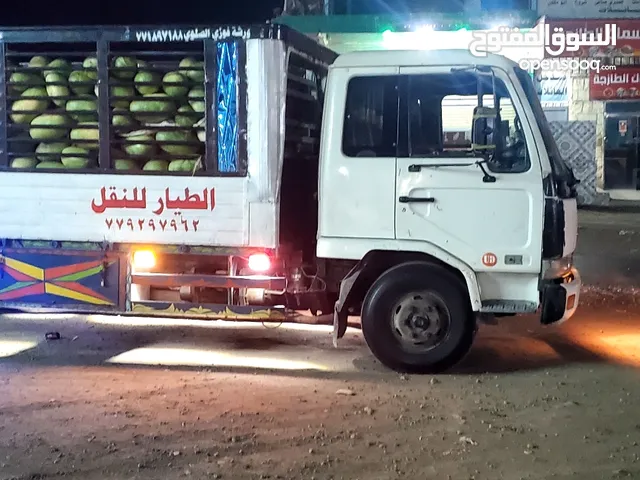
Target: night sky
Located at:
point(127, 12)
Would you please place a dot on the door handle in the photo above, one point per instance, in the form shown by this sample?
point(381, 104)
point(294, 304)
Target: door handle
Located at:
point(416, 200)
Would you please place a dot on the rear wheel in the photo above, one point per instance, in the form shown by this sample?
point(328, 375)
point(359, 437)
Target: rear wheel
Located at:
point(417, 318)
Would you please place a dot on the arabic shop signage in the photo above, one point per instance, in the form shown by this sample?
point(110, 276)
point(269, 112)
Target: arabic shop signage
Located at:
point(133, 211)
point(589, 8)
point(621, 84)
point(622, 38)
point(552, 89)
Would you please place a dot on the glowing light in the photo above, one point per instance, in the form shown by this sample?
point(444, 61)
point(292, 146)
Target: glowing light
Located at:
point(259, 262)
point(427, 39)
point(144, 260)
point(179, 356)
point(425, 29)
point(9, 348)
point(623, 348)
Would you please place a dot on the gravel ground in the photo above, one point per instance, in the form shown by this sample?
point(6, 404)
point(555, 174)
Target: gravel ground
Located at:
point(162, 400)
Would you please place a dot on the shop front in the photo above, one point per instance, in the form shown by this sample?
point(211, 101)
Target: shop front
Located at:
point(608, 97)
point(619, 92)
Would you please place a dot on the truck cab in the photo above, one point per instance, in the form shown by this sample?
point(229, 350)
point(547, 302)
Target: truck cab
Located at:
point(444, 232)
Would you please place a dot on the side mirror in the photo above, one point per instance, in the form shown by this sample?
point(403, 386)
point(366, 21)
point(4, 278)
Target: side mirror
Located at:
point(484, 129)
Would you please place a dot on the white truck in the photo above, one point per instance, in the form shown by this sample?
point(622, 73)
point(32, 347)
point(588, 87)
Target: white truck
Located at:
point(250, 174)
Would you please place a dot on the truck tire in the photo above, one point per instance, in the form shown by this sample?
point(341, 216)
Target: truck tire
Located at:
point(417, 318)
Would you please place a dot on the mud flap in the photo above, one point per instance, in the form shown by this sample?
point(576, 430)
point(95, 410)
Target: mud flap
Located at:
point(341, 308)
point(554, 299)
point(339, 324)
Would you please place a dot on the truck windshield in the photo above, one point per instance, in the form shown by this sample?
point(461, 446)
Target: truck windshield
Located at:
point(565, 181)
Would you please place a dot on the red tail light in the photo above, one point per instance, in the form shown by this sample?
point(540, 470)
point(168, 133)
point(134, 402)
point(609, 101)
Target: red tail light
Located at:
point(259, 262)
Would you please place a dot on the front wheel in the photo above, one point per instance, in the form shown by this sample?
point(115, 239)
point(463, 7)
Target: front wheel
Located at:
point(417, 318)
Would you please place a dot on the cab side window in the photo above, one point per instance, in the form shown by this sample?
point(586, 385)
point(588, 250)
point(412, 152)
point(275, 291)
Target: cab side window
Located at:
point(371, 117)
point(423, 110)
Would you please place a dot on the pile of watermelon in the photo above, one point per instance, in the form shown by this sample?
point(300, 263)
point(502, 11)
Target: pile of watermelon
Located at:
point(56, 101)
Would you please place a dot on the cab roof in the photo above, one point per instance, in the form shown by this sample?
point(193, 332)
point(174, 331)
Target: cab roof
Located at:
point(417, 58)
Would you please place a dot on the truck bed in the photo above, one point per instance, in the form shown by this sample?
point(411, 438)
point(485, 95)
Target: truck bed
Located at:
point(134, 135)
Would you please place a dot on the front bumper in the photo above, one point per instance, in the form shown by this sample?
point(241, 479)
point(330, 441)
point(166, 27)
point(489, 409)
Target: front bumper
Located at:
point(560, 298)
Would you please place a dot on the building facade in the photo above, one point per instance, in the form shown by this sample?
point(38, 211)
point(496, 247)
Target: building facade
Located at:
point(610, 98)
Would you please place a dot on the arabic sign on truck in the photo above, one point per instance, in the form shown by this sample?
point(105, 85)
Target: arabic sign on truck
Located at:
point(126, 209)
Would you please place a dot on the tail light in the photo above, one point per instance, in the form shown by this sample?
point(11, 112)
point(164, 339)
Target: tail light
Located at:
point(144, 260)
point(259, 262)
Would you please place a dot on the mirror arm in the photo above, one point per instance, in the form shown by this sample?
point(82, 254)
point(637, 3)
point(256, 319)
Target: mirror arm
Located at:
point(487, 177)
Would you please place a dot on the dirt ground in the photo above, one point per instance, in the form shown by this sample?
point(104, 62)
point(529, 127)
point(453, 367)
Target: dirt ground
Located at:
point(160, 400)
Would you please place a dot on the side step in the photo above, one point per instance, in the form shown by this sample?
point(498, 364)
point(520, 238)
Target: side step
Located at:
point(508, 306)
point(208, 281)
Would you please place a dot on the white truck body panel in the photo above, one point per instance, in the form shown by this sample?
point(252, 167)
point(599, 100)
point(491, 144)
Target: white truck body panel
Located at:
point(357, 194)
point(59, 206)
point(266, 100)
point(470, 217)
point(570, 226)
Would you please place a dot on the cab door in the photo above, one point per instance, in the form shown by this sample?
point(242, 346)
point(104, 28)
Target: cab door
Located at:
point(358, 166)
point(442, 196)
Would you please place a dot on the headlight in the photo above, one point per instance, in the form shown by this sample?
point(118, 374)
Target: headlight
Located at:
point(557, 268)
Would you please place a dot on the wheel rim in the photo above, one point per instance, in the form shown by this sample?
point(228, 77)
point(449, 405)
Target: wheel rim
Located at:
point(421, 321)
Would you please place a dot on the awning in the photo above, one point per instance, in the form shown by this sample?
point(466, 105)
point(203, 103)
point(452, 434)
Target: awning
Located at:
point(313, 24)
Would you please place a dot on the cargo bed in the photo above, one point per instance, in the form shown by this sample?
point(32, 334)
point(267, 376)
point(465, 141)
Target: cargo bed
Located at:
point(136, 135)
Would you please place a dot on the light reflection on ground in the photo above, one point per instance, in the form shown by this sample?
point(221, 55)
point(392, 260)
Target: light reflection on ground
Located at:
point(9, 347)
point(174, 355)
